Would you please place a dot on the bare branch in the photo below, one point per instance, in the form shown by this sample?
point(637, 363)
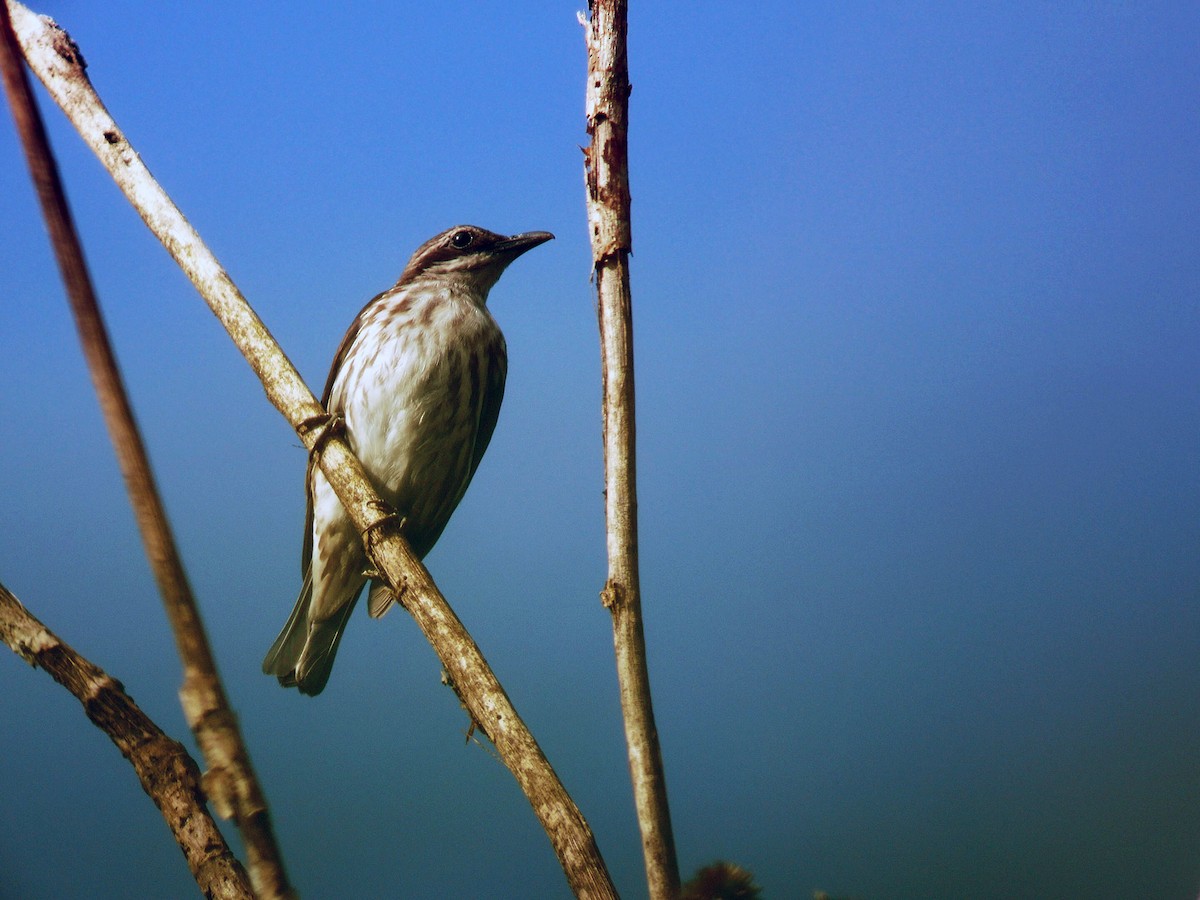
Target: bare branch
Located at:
point(606, 169)
point(230, 781)
point(469, 673)
point(167, 773)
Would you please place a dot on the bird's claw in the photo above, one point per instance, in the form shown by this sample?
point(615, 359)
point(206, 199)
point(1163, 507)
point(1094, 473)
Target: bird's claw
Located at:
point(326, 425)
point(388, 519)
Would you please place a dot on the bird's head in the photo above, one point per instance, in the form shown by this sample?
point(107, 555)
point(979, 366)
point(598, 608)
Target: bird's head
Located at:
point(470, 253)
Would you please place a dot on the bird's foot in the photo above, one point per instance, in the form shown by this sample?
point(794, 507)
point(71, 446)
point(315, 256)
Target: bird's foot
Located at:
point(389, 519)
point(327, 426)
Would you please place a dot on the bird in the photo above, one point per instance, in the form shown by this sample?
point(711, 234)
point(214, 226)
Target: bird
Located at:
point(416, 385)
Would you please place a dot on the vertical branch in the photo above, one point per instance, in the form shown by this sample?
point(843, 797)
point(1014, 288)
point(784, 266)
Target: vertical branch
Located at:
point(167, 773)
point(230, 781)
point(606, 164)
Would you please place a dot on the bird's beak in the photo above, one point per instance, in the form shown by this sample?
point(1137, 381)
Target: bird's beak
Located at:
point(519, 243)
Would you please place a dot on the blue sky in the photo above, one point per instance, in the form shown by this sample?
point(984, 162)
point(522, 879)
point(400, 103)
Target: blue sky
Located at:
point(917, 301)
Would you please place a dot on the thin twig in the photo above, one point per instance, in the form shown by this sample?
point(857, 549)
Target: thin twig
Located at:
point(167, 773)
point(467, 670)
point(230, 781)
point(606, 169)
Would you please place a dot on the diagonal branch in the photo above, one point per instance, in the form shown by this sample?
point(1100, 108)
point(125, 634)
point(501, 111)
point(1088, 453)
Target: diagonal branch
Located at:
point(606, 165)
point(55, 61)
point(167, 773)
point(230, 782)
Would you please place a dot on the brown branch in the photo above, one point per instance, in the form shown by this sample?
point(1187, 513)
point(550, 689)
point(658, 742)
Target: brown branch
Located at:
point(606, 170)
point(167, 773)
point(472, 678)
point(230, 781)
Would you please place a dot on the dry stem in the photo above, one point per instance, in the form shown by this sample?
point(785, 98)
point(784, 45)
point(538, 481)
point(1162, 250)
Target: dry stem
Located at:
point(167, 773)
point(606, 169)
point(230, 781)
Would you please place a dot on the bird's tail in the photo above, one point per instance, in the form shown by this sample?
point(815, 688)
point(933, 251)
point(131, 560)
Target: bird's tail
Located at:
point(302, 656)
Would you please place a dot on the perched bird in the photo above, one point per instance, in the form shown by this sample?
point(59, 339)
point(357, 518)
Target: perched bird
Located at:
point(417, 381)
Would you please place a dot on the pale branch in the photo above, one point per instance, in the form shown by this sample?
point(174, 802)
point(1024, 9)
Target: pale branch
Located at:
point(606, 170)
point(164, 768)
point(230, 781)
point(55, 61)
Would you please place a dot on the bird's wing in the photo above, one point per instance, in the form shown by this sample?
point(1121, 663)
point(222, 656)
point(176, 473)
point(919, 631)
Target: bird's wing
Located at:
point(306, 556)
point(493, 394)
point(338, 358)
point(344, 347)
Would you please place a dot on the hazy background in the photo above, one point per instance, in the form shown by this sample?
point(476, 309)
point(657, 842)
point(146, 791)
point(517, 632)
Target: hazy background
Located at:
point(917, 294)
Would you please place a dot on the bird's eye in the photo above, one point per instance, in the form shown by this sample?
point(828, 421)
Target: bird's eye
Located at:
point(462, 239)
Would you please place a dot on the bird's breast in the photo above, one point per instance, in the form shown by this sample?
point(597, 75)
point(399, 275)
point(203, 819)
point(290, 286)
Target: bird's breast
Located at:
point(410, 391)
